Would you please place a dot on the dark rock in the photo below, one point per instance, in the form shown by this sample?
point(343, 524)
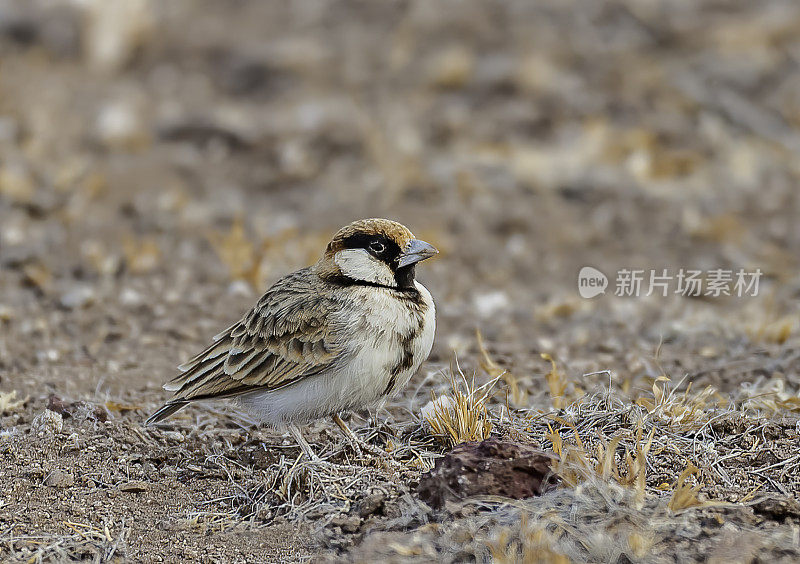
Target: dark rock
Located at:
point(257, 456)
point(56, 404)
point(240, 76)
point(77, 409)
point(369, 505)
point(777, 508)
point(56, 29)
point(202, 132)
point(490, 467)
point(348, 523)
point(319, 511)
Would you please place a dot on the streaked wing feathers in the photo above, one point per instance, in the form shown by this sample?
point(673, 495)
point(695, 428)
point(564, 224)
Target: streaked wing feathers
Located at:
point(282, 339)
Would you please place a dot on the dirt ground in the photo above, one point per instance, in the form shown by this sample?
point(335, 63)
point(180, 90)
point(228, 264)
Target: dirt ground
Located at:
point(161, 163)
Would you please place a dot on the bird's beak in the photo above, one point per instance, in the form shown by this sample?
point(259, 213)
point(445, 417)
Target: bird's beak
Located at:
point(414, 252)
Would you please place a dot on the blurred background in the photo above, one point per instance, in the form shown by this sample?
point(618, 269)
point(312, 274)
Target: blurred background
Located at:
point(162, 163)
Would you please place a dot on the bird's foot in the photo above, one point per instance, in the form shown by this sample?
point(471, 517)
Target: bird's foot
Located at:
point(361, 446)
point(306, 449)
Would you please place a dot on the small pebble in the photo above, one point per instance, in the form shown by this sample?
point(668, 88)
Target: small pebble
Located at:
point(135, 486)
point(348, 523)
point(77, 297)
point(130, 297)
point(173, 436)
point(47, 423)
point(59, 479)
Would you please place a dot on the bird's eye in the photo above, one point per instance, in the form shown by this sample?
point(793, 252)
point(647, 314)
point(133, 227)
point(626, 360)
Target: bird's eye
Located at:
point(376, 247)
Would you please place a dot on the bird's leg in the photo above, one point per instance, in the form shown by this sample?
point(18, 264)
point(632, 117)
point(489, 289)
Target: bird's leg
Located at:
point(302, 443)
point(357, 443)
point(349, 435)
point(373, 418)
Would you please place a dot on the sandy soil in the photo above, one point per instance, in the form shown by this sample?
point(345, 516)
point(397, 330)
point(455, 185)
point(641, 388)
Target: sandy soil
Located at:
point(160, 165)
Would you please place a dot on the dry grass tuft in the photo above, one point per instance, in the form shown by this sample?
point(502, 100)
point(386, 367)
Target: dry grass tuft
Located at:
point(684, 495)
point(577, 465)
point(461, 416)
point(256, 260)
point(574, 466)
point(683, 412)
point(766, 323)
point(237, 253)
point(81, 541)
point(635, 475)
point(141, 255)
point(562, 391)
point(771, 396)
point(9, 402)
point(534, 545)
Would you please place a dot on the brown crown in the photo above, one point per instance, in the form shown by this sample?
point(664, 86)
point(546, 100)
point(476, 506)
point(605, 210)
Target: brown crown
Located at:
point(375, 226)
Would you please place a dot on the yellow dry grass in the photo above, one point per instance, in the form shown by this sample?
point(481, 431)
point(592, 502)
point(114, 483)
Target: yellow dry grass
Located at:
point(253, 260)
point(141, 255)
point(461, 416)
point(577, 465)
point(681, 411)
point(9, 402)
point(533, 545)
point(684, 495)
point(237, 252)
point(562, 390)
point(772, 396)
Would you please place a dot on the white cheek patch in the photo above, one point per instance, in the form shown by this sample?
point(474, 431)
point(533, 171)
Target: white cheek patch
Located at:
point(358, 264)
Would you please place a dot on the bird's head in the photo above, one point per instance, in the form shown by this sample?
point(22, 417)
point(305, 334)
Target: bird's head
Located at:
point(375, 251)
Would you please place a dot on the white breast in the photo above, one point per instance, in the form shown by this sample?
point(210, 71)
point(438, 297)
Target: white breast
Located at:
point(382, 335)
point(424, 343)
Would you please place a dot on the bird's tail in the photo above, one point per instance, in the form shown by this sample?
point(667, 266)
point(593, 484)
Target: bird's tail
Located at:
point(166, 410)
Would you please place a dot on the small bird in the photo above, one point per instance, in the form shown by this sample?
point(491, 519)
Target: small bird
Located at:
point(344, 334)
